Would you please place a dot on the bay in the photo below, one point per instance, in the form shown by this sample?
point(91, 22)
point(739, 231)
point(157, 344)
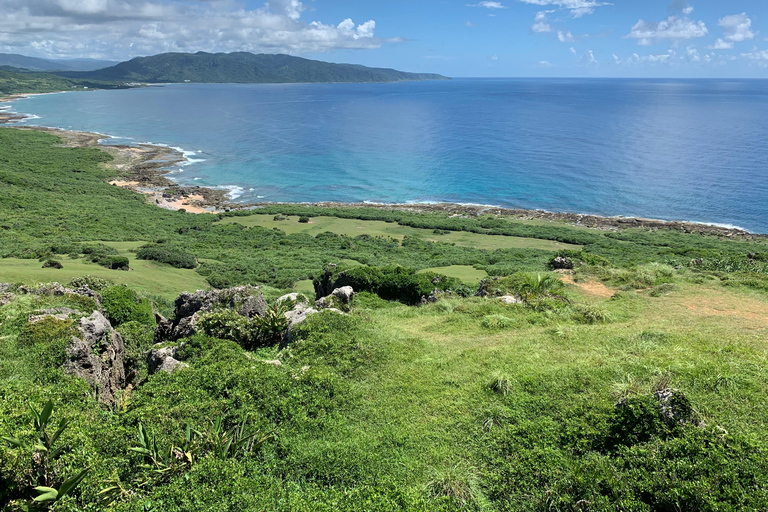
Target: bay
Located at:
point(668, 149)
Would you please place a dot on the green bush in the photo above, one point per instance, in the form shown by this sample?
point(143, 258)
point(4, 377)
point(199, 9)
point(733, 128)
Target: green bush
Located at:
point(138, 339)
point(397, 283)
point(46, 331)
point(248, 333)
point(50, 263)
point(304, 219)
point(174, 257)
point(118, 263)
point(122, 305)
point(93, 282)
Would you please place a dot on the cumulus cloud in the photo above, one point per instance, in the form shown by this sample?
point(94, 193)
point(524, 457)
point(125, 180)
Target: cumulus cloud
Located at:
point(737, 28)
point(565, 37)
point(540, 23)
point(674, 28)
point(720, 44)
point(578, 8)
point(125, 28)
point(546, 64)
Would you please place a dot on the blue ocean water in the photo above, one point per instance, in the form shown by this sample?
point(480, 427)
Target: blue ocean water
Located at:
point(671, 149)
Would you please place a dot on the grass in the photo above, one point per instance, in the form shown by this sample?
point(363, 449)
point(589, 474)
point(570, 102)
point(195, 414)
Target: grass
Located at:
point(464, 404)
point(355, 227)
point(466, 273)
point(146, 277)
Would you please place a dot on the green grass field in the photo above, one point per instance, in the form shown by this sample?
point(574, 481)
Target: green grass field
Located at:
point(467, 274)
point(354, 227)
point(146, 277)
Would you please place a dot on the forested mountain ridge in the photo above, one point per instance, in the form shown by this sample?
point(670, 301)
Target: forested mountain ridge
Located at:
point(242, 67)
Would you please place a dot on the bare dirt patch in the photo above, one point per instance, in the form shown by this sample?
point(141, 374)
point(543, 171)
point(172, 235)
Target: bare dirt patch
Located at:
point(593, 288)
point(729, 306)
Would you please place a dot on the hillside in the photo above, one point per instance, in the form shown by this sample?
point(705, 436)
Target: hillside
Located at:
point(17, 81)
point(634, 380)
point(242, 68)
point(36, 64)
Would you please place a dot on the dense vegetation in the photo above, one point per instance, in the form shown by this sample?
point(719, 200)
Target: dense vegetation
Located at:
point(640, 387)
point(242, 67)
point(16, 82)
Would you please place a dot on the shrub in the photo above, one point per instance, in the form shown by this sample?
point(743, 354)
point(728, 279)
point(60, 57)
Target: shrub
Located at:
point(52, 264)
point(138, 339)
point(92, 282)
point(122, 305)
point(46, 331)
point(248, 333)
point(396, 283)
point(304, 220)
point(173, 257)
point(118, 263)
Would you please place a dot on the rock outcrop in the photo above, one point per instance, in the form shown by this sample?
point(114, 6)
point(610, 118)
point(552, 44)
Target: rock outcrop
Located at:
point(246, 300)
point(97, 357)
point(164, 360)
point(562, 263)
point(57, 313)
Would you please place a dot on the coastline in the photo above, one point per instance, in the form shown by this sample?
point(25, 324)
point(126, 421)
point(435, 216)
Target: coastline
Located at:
point(143, 168)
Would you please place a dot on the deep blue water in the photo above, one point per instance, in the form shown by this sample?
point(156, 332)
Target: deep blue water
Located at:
point(671, 149)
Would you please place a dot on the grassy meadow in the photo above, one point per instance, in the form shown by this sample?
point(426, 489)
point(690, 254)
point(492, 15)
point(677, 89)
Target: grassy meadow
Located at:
point(463, 404)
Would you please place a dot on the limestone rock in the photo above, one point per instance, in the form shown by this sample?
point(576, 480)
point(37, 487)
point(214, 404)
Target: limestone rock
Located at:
point(164, 360)
point(246, 300)
point(97, 357)
point(294, 297)
point(57, 313)
point(511, 299)
point(344, 294)
point(562, 262)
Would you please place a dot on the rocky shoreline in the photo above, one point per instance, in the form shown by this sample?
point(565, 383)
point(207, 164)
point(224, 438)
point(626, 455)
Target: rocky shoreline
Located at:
point(143, 168)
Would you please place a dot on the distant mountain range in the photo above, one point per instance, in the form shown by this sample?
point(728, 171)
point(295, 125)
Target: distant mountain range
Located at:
point(240, 67)
point(34, 64)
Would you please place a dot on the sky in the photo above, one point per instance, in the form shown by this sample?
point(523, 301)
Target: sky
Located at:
point(475, 38)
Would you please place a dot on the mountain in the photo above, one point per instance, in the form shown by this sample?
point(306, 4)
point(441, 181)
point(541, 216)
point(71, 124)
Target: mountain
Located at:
point(35, 64)
point(242, 67)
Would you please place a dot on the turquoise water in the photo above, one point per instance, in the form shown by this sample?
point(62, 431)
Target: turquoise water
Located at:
point(671, 149)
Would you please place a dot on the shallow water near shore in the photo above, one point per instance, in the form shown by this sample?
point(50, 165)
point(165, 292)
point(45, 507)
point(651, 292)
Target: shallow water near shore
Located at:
point(669, 149)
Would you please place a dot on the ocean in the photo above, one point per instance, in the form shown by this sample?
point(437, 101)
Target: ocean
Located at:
point(694, 150)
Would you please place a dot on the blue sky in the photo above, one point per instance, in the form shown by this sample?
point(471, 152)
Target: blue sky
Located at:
point(634, 38)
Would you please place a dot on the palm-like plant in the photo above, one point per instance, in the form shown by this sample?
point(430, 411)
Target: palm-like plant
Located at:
point(540, 286)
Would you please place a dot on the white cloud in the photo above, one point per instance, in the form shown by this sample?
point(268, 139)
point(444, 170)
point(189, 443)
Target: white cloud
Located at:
point(759, 56)
point(565, 37)
point(573, 50)
point(489, 5)
point(578, 8)
point(126, 28)
point(673, 28)
point(495, 58)
point(588, 59)
point(737, 28)
point(540, 23)
point(546, 64)
point(721, 45)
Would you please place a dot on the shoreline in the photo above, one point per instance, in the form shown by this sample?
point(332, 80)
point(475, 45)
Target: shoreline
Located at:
point(142, 168)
